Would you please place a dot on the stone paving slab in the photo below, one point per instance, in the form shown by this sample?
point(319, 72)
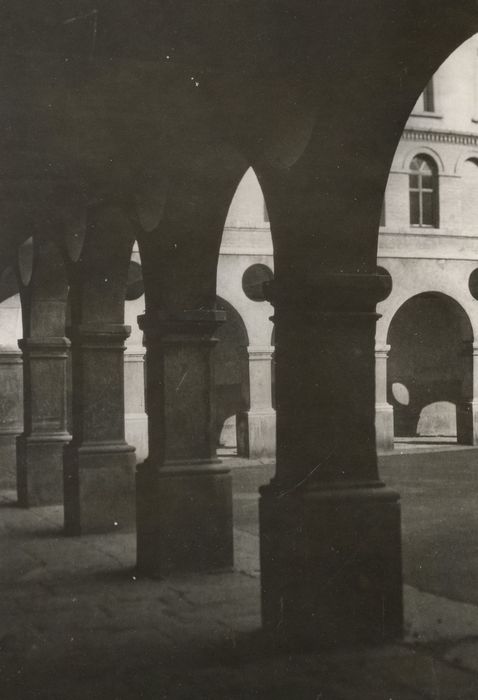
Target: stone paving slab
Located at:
point(77, 622)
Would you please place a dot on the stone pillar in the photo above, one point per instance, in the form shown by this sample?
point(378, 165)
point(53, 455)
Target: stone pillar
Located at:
point(98, 463)
point(136, 420)
point(467, 409)
point(184, 495)
point(11, 413)
point(329, 529)
point(40, 446)
point(383, 410)
point(256, 428)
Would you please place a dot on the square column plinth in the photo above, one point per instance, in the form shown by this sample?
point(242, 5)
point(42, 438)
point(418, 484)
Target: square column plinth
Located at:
point(331, 565)
point(40, 469)
point(184, 519)
point(99, 488)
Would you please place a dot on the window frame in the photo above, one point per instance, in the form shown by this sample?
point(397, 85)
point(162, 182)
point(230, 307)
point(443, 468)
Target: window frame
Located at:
point(420, 190)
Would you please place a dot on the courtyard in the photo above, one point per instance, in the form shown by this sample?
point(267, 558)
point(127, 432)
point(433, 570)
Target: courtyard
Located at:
point(77, 621)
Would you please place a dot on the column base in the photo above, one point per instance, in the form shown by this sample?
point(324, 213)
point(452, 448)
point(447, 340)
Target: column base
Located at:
point(40, 469)
point(384, 430)
point(184, 518)
point(256, 434)
point(136, 433)
point(331, 565)
point(8, 460)
point(99, 488)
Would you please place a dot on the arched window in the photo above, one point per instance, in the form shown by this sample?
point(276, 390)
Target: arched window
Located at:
point(423, 183)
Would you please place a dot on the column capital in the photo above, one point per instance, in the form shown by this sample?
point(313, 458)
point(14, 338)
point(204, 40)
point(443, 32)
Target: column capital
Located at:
point(45, 347)
point(382, 350)
point(134, 353)
point(330, 293)
point(10, 355)
point(191, 325)
point(99, 335)
point(260, 352)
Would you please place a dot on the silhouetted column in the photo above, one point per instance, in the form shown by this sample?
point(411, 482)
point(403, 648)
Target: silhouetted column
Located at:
point(257, 426)
point(11, 412)
point(98, 464)
point(383, 410)
point(467, 409)
point(184, 498)
point(329, 529)
point(40, 446)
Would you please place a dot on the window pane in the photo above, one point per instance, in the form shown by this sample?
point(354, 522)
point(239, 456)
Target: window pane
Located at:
point(415, 164)
point(414, 181)
point(414, 209)
point(427, 182)
point(426, 168)
point(428, 213)
point(429, 98)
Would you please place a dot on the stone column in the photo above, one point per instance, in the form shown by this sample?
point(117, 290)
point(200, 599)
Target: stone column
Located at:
point(467, 409)
point(11, 412)
point(329, 529)
point(136, 420)
point(98, 464)
point(40, 446)
point(256, 428)
point(383, 410)
point(184, 496)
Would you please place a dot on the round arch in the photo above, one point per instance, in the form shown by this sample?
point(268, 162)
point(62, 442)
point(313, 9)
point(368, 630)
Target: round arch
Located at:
point(401, 294)
point(430, 369)
point(426, 151)
point(472, 155)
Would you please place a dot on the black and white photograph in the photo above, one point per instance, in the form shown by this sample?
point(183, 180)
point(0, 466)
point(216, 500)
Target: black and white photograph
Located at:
point(238, 350)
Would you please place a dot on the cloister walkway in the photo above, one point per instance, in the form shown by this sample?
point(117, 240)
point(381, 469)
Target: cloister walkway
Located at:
point(77, 622)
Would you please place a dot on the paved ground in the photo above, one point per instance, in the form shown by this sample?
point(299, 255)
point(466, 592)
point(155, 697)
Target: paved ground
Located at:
point(76, 622)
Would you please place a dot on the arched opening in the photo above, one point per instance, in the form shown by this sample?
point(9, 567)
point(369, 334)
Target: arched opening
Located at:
point(231, 377)
point(245, 265)
point(430, 369)
point(135, 417)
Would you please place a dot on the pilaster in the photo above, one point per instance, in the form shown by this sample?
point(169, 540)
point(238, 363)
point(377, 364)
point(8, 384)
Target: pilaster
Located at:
point(256, 427)
point(383, 410)
point(136, 420)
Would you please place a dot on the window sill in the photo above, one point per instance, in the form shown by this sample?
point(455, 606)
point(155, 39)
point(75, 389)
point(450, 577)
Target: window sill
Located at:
point(427, 115)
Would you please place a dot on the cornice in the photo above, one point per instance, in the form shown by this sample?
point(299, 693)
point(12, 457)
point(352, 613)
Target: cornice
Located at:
point(438, 136)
